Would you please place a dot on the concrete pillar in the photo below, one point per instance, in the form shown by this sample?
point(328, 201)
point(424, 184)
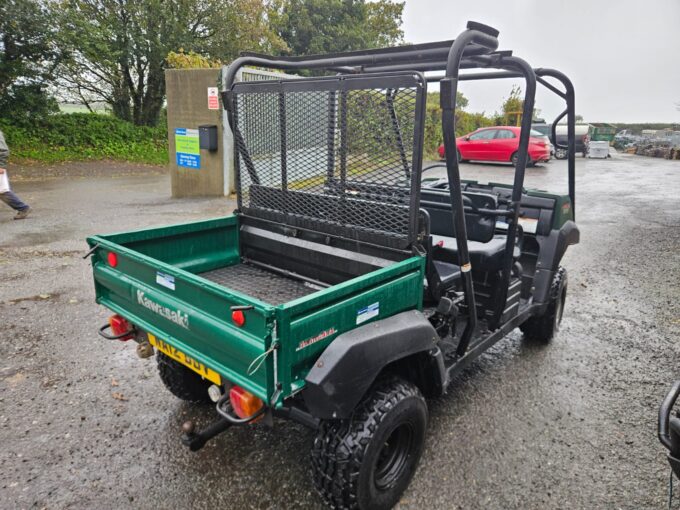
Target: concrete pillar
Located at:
point(194, 171)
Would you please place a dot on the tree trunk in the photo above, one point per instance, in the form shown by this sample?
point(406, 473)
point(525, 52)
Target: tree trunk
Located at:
point(153, 98)
point(120, 105)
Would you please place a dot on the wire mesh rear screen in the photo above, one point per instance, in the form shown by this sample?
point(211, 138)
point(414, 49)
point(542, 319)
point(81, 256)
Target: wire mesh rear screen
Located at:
point(339, 155)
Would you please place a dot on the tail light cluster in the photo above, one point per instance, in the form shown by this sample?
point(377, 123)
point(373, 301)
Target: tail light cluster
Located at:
point(120, 326)
point(244, 403)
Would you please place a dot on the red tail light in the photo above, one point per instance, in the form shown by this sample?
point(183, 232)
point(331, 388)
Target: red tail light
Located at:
point(244, 403)
point(119, 326)
point(238, 318)
point(113, 259)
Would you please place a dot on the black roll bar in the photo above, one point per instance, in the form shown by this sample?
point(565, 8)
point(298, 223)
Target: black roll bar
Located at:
point(518, 186)
point(448, 91)
point(571, 127)
point(476, 47)
point(567, 95)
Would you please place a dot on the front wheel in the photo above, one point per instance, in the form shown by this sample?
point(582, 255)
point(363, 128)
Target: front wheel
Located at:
point(367, 461)
point(560, 154)
point(543, 328)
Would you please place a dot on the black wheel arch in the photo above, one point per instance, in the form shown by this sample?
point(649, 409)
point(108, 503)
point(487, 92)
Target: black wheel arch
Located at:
point(404, 344)
point(552, 249)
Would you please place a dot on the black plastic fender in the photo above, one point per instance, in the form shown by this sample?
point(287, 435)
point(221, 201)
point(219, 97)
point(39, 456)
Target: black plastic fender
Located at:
point(351, 363)
point(552, 249)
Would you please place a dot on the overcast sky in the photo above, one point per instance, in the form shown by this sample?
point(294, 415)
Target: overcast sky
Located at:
point(623, 56)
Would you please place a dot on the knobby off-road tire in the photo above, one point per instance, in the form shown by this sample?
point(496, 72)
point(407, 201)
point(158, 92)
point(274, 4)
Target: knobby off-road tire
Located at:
point(543, 328)
point(182, 382)
point(367, 461)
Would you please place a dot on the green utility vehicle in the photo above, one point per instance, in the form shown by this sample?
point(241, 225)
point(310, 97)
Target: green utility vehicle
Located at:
point(344, 289)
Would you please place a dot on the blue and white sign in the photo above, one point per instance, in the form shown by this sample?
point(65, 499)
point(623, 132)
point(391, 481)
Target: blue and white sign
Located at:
point(166, 280)
point(187, 148)
point(368, 313)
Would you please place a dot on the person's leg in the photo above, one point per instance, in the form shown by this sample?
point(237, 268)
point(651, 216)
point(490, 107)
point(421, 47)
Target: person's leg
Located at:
point(10, 198)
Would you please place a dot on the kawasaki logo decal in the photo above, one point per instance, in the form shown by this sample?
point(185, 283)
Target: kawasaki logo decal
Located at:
point(321, 336)
point(177, 316)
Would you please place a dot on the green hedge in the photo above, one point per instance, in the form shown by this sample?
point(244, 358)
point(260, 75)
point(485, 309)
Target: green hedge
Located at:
point(86, 136)
point(92, 136)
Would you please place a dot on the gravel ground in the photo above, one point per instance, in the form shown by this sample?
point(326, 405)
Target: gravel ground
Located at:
point(86, 424)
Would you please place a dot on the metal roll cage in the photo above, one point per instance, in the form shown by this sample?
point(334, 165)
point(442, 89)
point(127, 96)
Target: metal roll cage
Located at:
point(474, 48)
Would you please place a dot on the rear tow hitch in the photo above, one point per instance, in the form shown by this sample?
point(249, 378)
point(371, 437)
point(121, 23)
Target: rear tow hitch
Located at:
point(196, 440)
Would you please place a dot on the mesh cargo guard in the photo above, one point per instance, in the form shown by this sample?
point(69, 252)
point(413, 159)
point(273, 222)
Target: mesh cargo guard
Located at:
point(339, 155)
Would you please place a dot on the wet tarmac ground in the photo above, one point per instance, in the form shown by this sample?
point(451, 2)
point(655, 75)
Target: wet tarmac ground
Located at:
point(85, 424)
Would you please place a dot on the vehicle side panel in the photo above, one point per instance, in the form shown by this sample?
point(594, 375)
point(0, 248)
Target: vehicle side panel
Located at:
point(309, 324)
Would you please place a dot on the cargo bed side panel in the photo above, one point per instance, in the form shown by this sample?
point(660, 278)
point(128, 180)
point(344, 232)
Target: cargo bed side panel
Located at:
point(196, 246)
point(309, 324)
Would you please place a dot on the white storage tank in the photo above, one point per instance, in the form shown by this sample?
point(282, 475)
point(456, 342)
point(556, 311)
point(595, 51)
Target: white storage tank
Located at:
point(598, 149)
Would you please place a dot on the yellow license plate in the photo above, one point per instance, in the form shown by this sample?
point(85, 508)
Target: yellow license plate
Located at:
point(187, 361)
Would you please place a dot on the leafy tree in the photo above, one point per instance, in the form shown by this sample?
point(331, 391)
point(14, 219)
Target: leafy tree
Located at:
point(23, 104)
point(190, 60)
point(512, 107)
point(324, 26)
point(119, 47)
point(28, 56)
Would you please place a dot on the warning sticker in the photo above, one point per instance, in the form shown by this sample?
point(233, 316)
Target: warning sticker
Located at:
point(528, 224)
point(368, 313)
point(165, 280)
point(213, 99)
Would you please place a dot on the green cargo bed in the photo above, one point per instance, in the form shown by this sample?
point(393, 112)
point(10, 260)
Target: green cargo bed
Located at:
point(179, 284)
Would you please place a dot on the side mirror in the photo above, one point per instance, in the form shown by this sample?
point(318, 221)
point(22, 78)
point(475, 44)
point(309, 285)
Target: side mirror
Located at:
point(466, 138)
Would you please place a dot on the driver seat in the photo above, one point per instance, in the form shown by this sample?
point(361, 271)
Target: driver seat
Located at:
point(488, 256)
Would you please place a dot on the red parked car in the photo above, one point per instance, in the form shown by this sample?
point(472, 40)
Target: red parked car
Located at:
point(500, 143)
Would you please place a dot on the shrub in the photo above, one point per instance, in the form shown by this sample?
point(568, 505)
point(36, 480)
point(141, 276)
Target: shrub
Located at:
point(83, 136)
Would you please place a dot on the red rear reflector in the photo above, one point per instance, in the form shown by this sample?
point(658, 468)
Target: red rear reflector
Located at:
point(113, 259)
point(238, 317)
point(119, 326)
point(244, 403)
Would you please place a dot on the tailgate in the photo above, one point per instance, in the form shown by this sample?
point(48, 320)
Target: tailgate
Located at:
point(191, 314)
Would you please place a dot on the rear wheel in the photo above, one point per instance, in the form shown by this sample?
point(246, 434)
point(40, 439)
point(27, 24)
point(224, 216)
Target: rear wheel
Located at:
point(182, 382)
point(543, 328)
point(560, 154)
point(515, 157)
point(367, 461)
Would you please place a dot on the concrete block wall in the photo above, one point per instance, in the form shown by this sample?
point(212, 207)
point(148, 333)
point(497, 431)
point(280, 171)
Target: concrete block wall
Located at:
point(187, 102)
